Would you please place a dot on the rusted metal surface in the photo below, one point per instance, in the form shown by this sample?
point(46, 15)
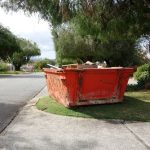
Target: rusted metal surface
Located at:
point(72, 87)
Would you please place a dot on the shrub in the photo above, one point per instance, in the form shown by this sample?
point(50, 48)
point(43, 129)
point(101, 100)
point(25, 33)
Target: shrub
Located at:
point(3, 66)
point(40, 64)
point(142, 75)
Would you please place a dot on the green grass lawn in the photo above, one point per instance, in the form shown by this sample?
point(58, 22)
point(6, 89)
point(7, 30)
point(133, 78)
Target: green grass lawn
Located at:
point(17, 72)
point(11, 72)
point(136, 107)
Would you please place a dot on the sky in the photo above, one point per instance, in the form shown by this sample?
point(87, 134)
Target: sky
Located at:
point(32, 28)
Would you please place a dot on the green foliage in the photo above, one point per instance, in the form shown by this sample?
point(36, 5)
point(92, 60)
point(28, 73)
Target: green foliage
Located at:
point(28, 49)
point(106, 31)
point(135, 87)
point(142, 75)
point(40, 64)
point(143, 72)
point(132, 87)
point(114, 18)
point(3, 66)
point(17, 50)
point(102, 29)
point(8, 43)
point(70, 45)
point(65, 61)
point(58, 11)
point(18, 59)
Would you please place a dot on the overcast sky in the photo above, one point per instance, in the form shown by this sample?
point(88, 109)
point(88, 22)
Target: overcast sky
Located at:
point(31, 28)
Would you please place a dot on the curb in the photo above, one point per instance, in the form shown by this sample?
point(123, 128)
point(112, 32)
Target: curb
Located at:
point(34, 100)
point(30, 103)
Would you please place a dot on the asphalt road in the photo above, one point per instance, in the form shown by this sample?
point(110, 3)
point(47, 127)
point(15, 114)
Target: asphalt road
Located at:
point(15, 91)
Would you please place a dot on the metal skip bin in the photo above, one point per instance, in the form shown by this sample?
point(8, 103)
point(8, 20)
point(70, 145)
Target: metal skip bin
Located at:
point(73, 87)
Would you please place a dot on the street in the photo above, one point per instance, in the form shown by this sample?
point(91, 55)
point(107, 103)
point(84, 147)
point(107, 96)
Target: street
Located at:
point(15, 91)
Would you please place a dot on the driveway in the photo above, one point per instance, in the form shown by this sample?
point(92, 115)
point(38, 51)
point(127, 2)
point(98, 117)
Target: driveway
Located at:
point(15, 91)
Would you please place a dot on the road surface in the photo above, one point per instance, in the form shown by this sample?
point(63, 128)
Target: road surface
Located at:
point(15, 91)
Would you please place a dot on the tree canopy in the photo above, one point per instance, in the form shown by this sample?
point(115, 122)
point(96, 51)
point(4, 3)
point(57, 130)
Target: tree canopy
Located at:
point(93, 29)
point(60, 11)
point(15, 49)
point(28, 50)
point(8, 43)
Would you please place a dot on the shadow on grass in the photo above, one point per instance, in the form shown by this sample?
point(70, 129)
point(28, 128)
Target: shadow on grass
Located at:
point(132, 109)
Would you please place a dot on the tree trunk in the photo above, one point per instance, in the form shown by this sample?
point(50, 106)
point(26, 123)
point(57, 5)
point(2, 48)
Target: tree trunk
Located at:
point(17, 67)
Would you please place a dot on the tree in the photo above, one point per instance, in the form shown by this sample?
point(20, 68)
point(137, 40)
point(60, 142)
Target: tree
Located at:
point(28, 49)
point(8, 43)
point(18, 59)
point(40, 64)
point(73, 47)
point(58, 11)
point(112, 26)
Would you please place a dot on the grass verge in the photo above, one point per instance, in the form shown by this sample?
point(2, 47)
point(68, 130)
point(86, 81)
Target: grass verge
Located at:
point(136, 107)
point(11, 72)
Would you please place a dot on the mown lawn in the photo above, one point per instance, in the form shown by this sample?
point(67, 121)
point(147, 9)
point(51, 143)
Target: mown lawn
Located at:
point(136, 107)
point(10, 72)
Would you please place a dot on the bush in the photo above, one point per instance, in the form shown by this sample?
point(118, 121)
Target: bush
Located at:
point(132, 87)
point(18, 60)
point(40, 64)
point(3, 66)
point(142, 75)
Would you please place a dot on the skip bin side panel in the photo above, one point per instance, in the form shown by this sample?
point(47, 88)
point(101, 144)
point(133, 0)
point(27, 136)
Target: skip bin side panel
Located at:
point(99, 84)
point(72, 86)
point(57, 87)
point(124, 80)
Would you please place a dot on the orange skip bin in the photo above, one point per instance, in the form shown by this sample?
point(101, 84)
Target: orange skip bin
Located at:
point(73, 87)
